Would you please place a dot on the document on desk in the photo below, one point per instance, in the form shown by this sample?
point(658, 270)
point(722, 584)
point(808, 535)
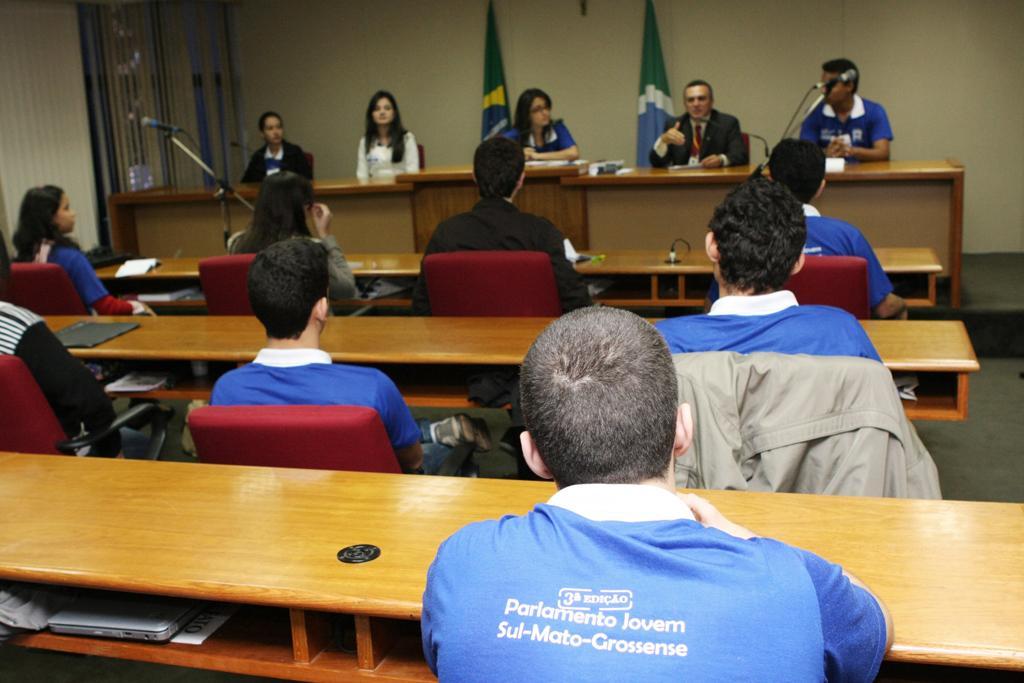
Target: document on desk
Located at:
point(906, 385)
point(205, 623)
point(136, 266)
point(138, 381)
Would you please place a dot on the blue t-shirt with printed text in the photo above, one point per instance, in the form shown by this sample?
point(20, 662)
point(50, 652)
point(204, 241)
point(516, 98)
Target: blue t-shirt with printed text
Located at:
point(863, 130)
point(83, 275)
point(552, 595)
point(320, 384)
point(559, 139)
point(814, 330)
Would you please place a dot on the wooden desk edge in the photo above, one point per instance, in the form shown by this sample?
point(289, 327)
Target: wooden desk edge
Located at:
point(218, 592)
point(938, 655)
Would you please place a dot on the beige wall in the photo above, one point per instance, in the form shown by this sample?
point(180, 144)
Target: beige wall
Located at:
point(44, 134)
point(948, 71)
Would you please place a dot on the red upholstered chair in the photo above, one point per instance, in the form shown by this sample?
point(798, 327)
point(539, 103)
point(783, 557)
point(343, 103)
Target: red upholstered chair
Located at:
point(28, 425)
point(309, 160)
point(318, 437)
point(746, 143)
point(492, 283)
point(44, 289)
point(223, 279)
point(840, 281)
point(423, 159)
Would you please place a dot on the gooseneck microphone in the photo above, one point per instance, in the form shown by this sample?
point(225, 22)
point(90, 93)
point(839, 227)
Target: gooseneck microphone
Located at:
point(845, 77)
point(672, 260)
point(154, 123)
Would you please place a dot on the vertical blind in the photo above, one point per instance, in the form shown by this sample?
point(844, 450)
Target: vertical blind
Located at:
point(172, 61)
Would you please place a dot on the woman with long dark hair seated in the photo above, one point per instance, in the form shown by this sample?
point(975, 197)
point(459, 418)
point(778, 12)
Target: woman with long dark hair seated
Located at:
point(387, 148)
point(541, 138)
point(282, 208)
point(45, 224)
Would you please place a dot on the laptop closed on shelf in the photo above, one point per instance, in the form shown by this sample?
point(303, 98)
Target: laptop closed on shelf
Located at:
point(125, 616)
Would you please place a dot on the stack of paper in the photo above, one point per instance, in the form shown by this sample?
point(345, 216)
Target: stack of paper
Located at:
point(138, 381)
point(192, 292)
point(136, 266)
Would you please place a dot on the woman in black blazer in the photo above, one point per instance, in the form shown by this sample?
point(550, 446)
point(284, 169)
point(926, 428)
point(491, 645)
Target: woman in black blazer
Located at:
point(277, 154)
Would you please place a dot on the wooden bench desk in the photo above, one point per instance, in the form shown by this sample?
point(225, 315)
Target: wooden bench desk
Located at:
point(951, 573)
point(428, 357)
point(642, 277)
point(894, 203)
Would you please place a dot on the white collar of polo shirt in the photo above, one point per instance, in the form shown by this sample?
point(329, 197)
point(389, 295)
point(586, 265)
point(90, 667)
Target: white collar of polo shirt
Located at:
point(549, 138)
point(757, 304)
point(621, 503)
point(290, 358)
point(855, 113)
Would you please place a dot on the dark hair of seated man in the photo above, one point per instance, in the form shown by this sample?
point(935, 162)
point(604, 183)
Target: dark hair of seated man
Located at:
point(286, 280)
point(759, 233)
point(842, 65)
point(497, 166)
point(800, 166)
point(599, 398)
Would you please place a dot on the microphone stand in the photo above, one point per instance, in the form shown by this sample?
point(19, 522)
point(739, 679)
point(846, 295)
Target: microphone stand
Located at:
point(224, 188)
point(807, 113)
point(785, 132)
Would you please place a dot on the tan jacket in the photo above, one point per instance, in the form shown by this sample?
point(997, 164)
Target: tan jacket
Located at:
point(801, 424)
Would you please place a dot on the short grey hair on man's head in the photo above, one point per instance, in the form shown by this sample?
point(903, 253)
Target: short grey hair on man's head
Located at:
point(599, 398)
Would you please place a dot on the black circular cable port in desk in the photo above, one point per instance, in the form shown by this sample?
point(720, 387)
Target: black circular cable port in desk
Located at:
point(357, 554)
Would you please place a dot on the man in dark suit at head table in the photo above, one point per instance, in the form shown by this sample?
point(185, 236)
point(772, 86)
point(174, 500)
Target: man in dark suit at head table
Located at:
point(703, 135)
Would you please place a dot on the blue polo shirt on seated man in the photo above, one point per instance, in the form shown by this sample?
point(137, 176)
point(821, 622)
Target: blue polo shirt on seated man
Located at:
point(619, 582)
point(833, 237)
point(768, 322)
point(556, 139)
point(866, 123)
point(308, 377)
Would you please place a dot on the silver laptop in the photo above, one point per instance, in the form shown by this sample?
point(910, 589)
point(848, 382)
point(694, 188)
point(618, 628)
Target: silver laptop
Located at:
point(125, 615)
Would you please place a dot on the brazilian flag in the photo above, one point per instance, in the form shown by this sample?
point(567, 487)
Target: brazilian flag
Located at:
point(495, 116)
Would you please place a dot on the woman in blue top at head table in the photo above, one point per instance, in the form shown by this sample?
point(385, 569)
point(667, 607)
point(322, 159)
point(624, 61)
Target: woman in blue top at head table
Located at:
point(387, 148)
point(533, 123)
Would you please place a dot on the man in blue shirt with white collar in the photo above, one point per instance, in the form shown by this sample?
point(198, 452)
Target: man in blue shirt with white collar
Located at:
point(800, 166)
point(845, 124)
point(287, 286)
point(756, 242)
point(617, 577)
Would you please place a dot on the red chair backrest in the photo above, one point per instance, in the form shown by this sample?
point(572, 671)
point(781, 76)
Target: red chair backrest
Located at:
point(423, 159)
point(746, 143)
point(44, 289)
point(492, 283)
point(318, 437)
point(309, 160)
point(840, 281)
point(27, 423)
point(224, 283)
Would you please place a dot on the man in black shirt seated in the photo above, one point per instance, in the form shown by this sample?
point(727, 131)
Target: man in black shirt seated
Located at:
point(496, 224)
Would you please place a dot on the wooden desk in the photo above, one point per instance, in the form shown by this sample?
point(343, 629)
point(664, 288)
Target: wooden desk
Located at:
point(895, 203)
point(951, 573)
point(368, 215)
point(642, 277)
point(443, 191)
point(428, 357)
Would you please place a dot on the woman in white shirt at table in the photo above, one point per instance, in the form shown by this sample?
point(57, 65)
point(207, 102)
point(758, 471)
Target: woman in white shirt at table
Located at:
point(387, 148)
